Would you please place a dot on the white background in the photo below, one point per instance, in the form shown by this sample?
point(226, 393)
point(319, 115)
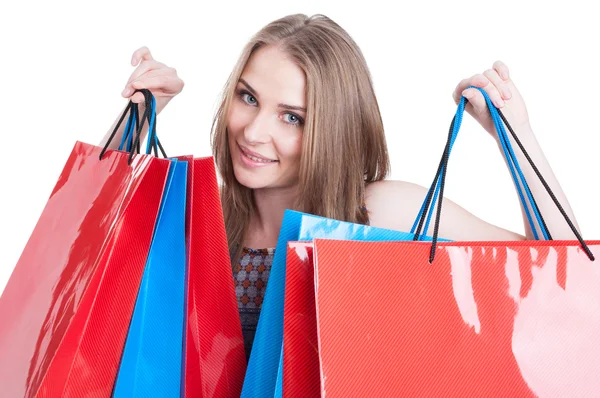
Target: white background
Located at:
point(64, 64)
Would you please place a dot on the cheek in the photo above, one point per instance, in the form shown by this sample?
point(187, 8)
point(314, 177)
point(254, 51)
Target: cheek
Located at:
point(238, 119)
point(290, 148)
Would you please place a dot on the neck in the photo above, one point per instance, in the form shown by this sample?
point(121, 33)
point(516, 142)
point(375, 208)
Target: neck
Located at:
point(266, 221)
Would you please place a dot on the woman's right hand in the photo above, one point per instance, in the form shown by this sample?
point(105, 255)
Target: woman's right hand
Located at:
point(155, 76)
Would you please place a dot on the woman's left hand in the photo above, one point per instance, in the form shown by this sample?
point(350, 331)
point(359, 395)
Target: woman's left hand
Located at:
point(502, 92)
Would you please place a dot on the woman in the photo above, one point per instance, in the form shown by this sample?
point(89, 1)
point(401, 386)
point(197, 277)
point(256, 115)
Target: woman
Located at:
point(299, 128)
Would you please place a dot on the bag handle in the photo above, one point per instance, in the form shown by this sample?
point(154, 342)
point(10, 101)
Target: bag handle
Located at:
point(511, 158)
point(153, 143)
point(129, 129)
point(437, 183)
point(133, 144)
point(440, 177)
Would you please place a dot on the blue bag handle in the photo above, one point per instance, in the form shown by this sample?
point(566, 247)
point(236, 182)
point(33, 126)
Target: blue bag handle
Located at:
point(511, 158)
point(437, 186)
point(134, 127)
point(132, 122)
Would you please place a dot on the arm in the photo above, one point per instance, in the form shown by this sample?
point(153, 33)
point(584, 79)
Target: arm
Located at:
point(504, 94)
point(395, 204)
point(555, 221)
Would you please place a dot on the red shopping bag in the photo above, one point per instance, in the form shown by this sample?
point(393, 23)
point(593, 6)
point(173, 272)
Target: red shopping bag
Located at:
point(510, 319)
point(66, 308)
point(301, 376)
point(215, 356)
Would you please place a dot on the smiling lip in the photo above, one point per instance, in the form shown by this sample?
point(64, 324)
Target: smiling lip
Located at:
point(254, 157)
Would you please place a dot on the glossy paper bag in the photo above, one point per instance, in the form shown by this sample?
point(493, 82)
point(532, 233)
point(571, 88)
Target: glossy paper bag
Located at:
point(66, 308)
point(493, 319)
point(215, 360)
point(301, 364)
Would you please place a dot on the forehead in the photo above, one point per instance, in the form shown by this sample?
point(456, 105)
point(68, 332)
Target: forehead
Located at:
point(272, 73)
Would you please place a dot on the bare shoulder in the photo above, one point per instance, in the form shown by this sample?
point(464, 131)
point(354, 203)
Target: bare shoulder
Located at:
point(395, 205)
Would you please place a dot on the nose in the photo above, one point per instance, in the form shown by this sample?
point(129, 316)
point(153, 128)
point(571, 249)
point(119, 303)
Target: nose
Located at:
point(257, 130)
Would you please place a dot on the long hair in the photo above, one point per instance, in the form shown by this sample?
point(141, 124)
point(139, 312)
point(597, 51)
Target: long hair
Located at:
point(343, 144)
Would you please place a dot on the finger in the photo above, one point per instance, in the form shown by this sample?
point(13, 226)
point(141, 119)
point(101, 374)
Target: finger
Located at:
point(478, 104)
point(502, 70)
point(475, 80)
point(483, 82)
point(460, 87)
point(166, 83)
point(144, 67)
point(138, 98)
point(500, 84)
point(158, 78)
point(166, 71)
point(141, 54)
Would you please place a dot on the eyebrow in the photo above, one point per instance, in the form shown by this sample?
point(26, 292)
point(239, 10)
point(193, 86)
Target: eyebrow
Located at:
point(286, 106)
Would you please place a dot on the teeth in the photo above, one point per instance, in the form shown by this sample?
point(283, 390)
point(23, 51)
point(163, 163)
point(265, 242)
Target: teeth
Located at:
point(257, 159)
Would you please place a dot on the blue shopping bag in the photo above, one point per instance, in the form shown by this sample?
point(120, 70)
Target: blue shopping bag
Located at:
point(152, 360)
point(153, 354)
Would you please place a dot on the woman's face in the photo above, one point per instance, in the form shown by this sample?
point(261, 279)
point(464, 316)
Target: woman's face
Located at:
point(266, 121)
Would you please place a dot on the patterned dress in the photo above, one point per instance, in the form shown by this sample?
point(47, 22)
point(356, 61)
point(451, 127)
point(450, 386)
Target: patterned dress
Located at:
point(251, 276)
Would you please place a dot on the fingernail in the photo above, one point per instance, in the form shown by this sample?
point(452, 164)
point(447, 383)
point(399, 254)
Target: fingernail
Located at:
point(504, 75)
point(506, 93)
point(126, 92)
point(133, 61)
point(499, 104)
point(467, 94)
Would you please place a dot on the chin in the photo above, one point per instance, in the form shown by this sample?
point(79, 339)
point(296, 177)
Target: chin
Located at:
point(253, 180)
point(248, 179)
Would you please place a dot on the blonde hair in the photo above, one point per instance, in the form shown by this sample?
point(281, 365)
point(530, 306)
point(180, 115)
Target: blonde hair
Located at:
point(343, 123)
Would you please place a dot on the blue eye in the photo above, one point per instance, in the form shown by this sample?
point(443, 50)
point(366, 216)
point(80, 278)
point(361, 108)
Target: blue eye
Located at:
point(292, 119)
point(248, 98)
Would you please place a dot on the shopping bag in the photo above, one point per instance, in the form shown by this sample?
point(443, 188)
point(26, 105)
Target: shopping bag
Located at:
point(67, 305)
point(215, 359)
point(301, 363)
point(152, 359)
point(465, 319)
point(489, 319)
